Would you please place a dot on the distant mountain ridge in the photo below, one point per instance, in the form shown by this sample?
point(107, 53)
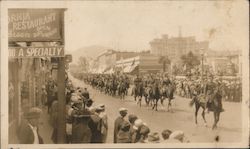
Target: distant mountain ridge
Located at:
point(90, 52)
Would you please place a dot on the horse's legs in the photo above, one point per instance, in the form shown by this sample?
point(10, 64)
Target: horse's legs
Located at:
point(146, 100)
point(197, 107)
point(216, 119)
point(152, 100)
point(156, 103)
point(203, 116)
point(162, 99)
point(140, 97)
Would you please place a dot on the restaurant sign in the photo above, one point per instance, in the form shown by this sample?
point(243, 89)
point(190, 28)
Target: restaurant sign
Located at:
point(35, 24)
point(31, 52)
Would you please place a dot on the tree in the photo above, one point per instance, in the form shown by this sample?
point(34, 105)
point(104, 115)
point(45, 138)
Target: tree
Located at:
point(190, 61)
point(164, 60)
point(83, 64)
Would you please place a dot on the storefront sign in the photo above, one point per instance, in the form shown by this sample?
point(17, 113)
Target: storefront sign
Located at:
point(35, 24)
point(31, 52)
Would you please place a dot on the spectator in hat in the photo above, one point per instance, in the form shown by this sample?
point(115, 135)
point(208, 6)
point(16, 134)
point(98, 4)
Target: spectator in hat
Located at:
point(54, 119)
point(95, 125)
point(140, 131)
point(144, 131)
point(131, 119)
point(123, 135)
point(123, 112)
point(104, 119)
point(28, 130)
point(81, 132)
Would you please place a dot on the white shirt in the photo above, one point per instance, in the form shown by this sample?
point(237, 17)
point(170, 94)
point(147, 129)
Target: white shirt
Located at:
point(34, 130)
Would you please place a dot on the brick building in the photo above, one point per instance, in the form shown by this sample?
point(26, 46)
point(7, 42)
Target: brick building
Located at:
point(175, 47)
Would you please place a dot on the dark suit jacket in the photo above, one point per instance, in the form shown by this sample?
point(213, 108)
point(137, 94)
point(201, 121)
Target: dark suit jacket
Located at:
point(25, 134)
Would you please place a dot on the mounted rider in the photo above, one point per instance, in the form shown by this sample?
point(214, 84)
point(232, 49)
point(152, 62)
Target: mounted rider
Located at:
point(212, 91)
point(137, 80)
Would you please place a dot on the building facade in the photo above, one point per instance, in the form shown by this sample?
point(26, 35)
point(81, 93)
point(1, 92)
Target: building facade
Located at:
point(142, 64)
point(108, 58)
point(175, 47)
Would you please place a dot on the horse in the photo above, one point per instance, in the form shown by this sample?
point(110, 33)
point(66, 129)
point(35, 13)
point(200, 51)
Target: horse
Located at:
point(146, 94)
point(168, 92)
point(214, 100)
point(137, 91)
point(122, 90)
point(155, 96)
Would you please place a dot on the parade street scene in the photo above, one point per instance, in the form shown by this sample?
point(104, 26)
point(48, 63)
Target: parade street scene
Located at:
point(127, 72)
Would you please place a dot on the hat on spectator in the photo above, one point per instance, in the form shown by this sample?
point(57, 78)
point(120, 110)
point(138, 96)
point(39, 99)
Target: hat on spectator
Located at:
point(154, 137)
point(138, 123)
point(123, 111)
point(33, 113)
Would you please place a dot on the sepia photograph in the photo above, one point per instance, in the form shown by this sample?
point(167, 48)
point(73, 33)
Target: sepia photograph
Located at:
point(125, 74)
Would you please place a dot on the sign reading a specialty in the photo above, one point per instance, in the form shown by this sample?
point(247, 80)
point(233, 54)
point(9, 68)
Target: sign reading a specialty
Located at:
point(31, 52)
point(35, 24)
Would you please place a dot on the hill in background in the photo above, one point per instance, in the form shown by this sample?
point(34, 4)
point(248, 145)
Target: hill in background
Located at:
point(90, 52)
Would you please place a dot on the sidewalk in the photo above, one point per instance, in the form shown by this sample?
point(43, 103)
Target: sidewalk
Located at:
point(45, 130)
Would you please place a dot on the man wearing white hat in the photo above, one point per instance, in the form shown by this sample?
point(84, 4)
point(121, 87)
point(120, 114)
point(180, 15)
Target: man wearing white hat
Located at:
point(100, 110)
point(28, 130)
point(123, 112)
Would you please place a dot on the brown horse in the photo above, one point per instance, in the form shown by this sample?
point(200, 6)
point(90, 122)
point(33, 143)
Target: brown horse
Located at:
point(214, 102)
point(168, 92)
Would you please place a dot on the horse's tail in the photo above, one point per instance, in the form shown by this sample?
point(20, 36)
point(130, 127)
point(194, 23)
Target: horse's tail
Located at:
point(191, 103)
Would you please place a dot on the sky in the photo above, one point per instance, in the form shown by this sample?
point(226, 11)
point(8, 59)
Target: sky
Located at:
point(131, 25)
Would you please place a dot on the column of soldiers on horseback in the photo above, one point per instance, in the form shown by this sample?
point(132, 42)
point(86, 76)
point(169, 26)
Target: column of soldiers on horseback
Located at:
point(153, 88)
point(110, 84)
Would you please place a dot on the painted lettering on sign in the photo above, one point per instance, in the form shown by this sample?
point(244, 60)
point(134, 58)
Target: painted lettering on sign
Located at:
point(22, 52)
point(34, 24)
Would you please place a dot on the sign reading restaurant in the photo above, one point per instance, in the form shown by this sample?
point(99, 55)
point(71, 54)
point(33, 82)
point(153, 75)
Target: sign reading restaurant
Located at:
point(19, 52)
point(35, 24)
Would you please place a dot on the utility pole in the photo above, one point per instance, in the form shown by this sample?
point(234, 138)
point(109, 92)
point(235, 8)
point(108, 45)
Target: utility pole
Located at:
point(61, 135)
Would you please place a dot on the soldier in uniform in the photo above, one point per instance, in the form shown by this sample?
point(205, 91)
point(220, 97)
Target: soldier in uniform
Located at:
point(137, 80)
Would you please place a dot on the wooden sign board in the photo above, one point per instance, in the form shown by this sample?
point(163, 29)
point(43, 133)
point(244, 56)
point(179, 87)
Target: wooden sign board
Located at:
point(32, 52)
point(35, 24)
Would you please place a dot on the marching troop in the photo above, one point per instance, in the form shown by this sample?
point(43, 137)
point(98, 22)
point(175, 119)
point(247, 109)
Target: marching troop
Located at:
point(187, 87)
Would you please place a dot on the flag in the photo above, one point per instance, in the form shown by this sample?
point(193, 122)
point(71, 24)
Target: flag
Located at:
point(133, 62)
